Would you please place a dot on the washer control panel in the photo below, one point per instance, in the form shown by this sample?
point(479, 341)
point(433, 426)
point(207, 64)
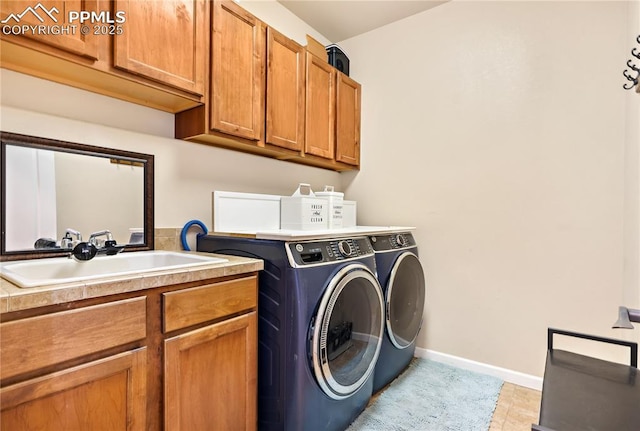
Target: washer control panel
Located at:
point(334, 250)
point(394, 241)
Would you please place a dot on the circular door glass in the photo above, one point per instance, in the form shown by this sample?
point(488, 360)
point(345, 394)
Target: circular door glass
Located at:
point(347, 331)
point(405, 300)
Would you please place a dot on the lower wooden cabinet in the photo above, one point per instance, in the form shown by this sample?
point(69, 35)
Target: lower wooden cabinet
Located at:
point(40, 342)
point(178, 357)
point(211, 377)
point(108, 394)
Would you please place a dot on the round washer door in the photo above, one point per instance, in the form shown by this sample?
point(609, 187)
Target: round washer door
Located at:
point(405, 300)
point(347, 331)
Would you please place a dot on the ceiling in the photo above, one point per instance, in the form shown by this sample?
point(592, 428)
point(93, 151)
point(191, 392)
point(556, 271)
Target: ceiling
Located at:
point(340, 20)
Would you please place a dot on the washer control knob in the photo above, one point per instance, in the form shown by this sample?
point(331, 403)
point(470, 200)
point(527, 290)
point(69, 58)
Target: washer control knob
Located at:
point(345, 248)
point(401, 240)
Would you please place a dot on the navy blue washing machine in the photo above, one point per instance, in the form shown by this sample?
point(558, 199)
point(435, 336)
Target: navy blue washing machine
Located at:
point(320, 327)
point(402, 279)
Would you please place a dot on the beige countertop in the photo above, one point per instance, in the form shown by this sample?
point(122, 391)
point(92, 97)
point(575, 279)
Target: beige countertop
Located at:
point(303, 235)
point(14, 298)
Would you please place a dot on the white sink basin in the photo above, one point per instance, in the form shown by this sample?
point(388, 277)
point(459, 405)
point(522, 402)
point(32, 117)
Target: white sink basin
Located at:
point(44, 272)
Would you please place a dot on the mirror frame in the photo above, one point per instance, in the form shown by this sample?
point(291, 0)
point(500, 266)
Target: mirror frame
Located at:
point(82, 149)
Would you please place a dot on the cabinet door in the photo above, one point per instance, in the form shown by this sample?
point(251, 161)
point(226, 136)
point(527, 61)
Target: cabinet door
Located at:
point(237, 71)
point(51, 13)
point(108, 394)
point(163, 40)
point(347, 120)
point(69, 335)
point(285, 91)
point(320, 108)
point(211, 377)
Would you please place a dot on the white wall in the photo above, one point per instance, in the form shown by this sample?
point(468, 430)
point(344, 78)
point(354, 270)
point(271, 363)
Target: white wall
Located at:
point(283, 20)
point(498, 130)
point(631, 291)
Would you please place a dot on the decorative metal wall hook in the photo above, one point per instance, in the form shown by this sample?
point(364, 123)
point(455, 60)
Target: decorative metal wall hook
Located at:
point(630, 78)
point(629, 75)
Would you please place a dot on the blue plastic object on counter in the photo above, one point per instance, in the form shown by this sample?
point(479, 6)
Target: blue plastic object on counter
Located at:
point(185, 229)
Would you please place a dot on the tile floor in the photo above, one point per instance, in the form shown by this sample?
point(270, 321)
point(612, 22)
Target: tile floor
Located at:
point(516, 410)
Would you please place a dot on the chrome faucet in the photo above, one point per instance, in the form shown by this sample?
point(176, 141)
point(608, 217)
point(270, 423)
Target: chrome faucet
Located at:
point(67, 240)
point(93, 238)
point(84, 251)
point(108, 246)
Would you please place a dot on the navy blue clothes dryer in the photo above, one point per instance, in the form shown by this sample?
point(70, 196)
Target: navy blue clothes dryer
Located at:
point(320, 327)
point(402, 279)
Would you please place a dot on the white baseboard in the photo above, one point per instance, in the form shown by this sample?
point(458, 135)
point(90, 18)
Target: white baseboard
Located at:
point(505, 374)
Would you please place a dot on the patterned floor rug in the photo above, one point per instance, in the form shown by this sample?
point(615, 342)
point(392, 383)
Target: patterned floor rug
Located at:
point(432, 396)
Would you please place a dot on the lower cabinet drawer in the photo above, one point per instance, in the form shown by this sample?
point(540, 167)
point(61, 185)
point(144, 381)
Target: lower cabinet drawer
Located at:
point(107, 394)
point(201, 304)
point(38, 342)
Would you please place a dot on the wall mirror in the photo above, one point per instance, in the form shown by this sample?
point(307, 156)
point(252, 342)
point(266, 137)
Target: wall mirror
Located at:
point(50, 187)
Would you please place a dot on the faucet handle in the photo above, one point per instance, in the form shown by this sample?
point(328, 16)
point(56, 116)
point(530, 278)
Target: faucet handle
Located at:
point(69, 232)
point(67, 240)
point(84, 251)
point(111, 248)
point(106, 233)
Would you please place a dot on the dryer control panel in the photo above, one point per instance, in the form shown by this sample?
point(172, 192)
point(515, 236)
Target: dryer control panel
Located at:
point(318, 252)
point(394, 241)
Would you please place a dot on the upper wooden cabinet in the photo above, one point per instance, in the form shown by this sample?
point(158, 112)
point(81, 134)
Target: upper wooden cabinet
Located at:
point(53, 13)
point(163, 40)
point(320, 108)
point(233, 113)
point(237, 71)
point(347, 120)
point(231, 80)
point(147, 52)
point(285, 91)
point(267, 95)
point(332, 115)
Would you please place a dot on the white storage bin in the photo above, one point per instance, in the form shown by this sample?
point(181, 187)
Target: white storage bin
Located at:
point(303, 210)
point(235, 212)
point(348, 213)
point(334, 208)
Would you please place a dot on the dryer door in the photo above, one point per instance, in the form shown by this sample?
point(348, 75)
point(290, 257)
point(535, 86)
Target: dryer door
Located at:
point(405, 300)
point(347, 331)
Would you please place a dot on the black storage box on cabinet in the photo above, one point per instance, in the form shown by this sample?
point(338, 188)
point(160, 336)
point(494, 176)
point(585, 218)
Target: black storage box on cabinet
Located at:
point(337, 58)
